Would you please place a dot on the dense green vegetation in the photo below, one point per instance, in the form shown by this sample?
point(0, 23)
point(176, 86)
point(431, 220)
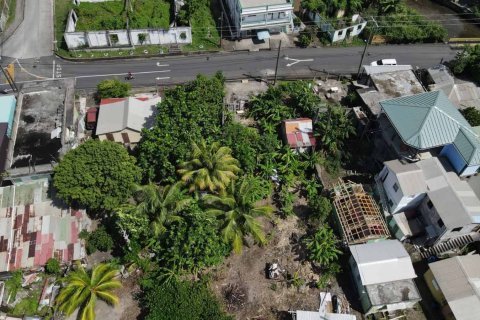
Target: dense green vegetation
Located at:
point(198, 14)
point(99, 175)
point(207, 191)
point(182, 300)
point(472, 115)
point(113, 88)
point(187, 113)
point(52, 266)
point(467, 62)
point(112, 15)
point(397, 22)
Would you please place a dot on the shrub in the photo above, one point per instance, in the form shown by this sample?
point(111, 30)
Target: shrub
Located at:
point(113, 88)
point(142, 37)
point(99, 240)
point(305, 38)
point(472, 115)
point(52, 266)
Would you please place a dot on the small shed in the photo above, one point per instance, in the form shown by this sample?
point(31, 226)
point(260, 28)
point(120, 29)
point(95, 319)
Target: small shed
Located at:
point(298, 134)
point(91, 119)
point(358, 214)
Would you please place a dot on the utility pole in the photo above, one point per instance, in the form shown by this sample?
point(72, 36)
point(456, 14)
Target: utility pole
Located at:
point(366, 45)
point(278, 58)
point(10, 81)
point(221, 29)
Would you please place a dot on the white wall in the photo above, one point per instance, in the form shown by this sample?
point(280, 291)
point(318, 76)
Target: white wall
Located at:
point(339, 34)
point(96, 39)
point(401, 201)
point(454, 234)
point(469, 171)
point(101, 39)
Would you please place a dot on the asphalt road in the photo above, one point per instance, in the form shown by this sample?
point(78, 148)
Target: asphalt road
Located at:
point(293, 62)
point(34, 36)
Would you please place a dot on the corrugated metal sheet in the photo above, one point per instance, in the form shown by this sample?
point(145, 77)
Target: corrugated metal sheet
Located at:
point(382, 262)
point(429, 120)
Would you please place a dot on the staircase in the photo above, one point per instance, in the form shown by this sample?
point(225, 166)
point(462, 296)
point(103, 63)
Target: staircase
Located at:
point(174, 49)
point(452, 244)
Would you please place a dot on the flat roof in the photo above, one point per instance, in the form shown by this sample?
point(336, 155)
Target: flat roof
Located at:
point(259, 3)
point(42, 112)
point(393, 292)
point(388, 85)
point(459, 281)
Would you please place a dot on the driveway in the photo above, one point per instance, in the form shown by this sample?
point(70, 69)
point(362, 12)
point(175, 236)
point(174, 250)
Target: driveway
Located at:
point(34, 36)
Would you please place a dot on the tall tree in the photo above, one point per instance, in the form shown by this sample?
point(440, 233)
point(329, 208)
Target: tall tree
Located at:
point(162, 204)
point(83, 288)
point(99, 175)
point(187, 113)
point(238, 213)
point(211, 167)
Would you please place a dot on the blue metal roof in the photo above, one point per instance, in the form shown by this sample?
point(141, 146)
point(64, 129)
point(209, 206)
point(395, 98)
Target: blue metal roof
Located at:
point(7, 111)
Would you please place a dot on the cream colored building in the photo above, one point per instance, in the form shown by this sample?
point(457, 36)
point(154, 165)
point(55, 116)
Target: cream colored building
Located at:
point(122, 119)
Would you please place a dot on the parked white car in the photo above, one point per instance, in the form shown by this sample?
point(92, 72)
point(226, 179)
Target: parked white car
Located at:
point(384, 62)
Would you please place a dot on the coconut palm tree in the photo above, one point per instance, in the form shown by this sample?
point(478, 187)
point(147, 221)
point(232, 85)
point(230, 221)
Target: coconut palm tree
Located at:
point(161, 204)
point(83, 288)
point(237, 214)
point(211, 167)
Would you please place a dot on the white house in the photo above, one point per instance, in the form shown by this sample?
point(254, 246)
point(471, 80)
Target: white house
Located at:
point(425, 198)
point(455, 285)
point(260, 17)
point(340, 31)
point(383, 274)
point(122, 119)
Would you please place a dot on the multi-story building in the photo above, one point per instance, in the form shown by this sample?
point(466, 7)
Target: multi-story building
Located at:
point(259, 17)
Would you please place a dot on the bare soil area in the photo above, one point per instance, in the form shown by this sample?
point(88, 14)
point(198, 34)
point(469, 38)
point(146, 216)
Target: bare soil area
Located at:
point(242, 284)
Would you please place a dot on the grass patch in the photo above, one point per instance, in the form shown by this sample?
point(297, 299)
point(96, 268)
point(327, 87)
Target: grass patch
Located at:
point(204, 30)
point(152, 50)
point(11, 12)
point(27, 306)
point(112, 15)
point(62, 8)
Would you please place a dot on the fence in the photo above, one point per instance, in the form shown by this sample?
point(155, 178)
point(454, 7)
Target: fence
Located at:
point(122, 38)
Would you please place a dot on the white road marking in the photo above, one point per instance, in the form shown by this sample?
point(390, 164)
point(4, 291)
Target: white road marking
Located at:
point(162, 65)
point(120, 74)
point(29, 73)
point(162, 78)
point(53, 70)
point(296, 61)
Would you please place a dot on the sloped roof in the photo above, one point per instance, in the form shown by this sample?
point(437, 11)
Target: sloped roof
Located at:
point(467, 145)
point(299, 132)
point(410, 176)
point(117, 114)
point(459, 280)
point(425, 120)
point(382, 261)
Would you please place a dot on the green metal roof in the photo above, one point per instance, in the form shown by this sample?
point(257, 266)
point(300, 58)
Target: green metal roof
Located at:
point(425, 120)
point(429, 120)
point(468, 146)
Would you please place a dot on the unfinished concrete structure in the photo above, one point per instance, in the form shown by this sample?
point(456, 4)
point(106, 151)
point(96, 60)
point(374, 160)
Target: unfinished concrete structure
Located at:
point(358, 214)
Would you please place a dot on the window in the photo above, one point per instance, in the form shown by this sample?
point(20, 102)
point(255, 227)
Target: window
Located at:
point(125, 137)
point(110, 137)
point(430, 204)
point(390, 202)
point(359, 26)
point(440, 223)
point(395, 187)
point(457, 229)
point(385, 176)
